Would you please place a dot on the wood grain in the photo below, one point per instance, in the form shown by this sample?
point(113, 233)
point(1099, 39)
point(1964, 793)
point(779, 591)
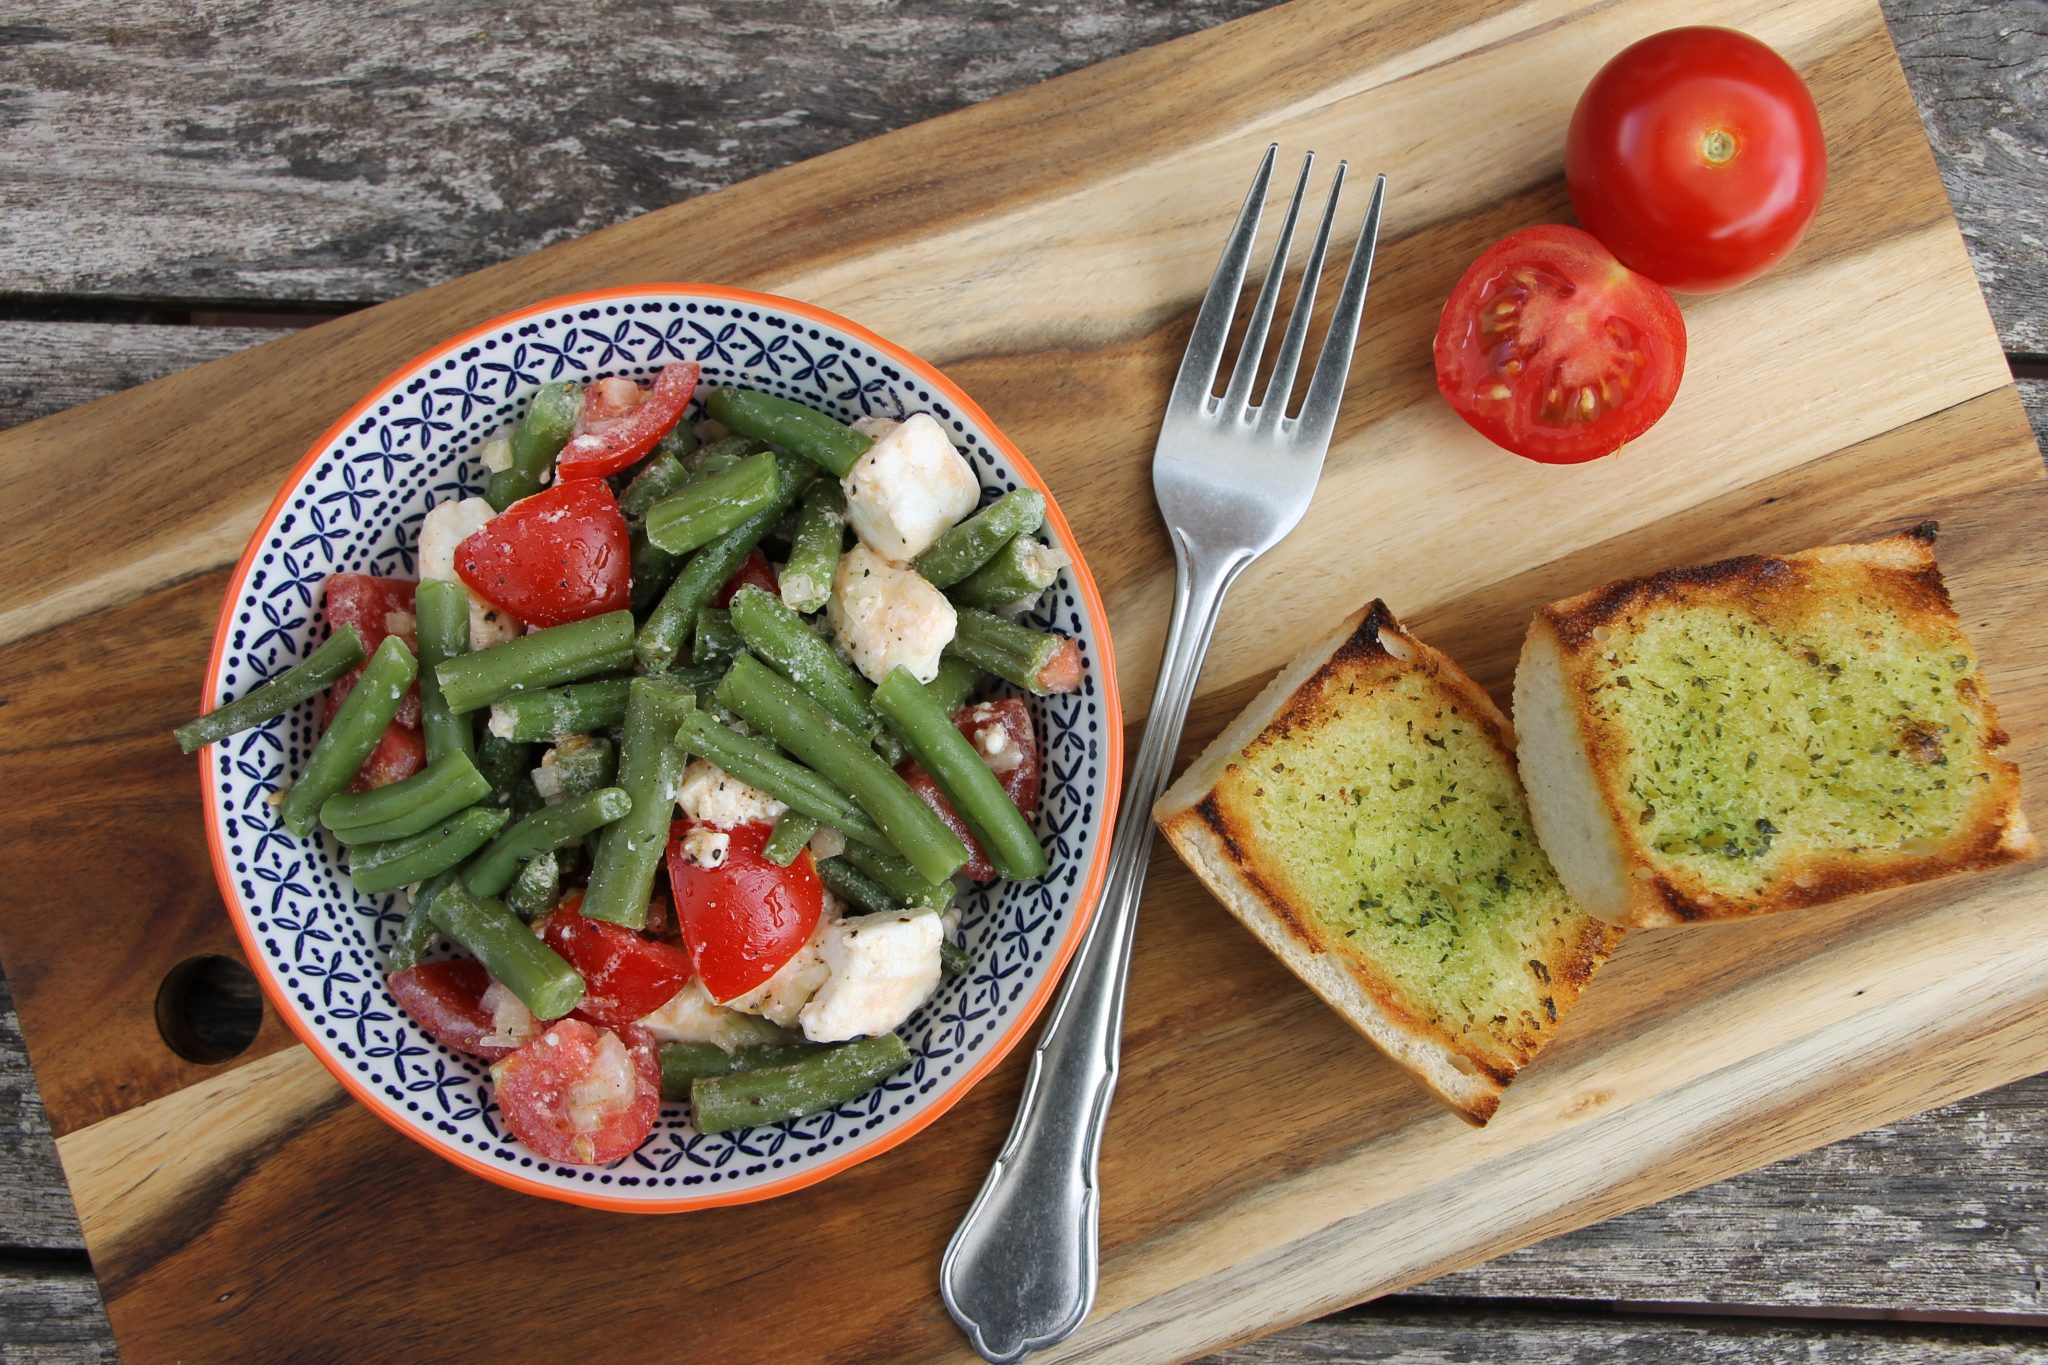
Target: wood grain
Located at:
point(1689, 1063)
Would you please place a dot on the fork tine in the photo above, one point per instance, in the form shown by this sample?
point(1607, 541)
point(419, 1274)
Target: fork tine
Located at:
point(1326, 388)
point(1246, 370)
point(1273, 403)
point(1212, 324)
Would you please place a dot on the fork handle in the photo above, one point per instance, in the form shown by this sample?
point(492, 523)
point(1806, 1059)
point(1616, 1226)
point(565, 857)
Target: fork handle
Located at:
point(1020, 1272)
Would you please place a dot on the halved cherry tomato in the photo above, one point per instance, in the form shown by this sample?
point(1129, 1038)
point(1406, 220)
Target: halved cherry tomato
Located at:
point(1014, 762)
point(1551, 348)
point(1696, 155)
point(745, 917)
point(558, 556)
point(447, 1000)
point(625, 977)
point(756, 571)
point(399, 754)
point(621, 422)
point(373, 606)
point(581, 1094)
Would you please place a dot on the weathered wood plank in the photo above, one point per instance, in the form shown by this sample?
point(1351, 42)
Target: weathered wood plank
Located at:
point(46, 367)
point(50, 1314)
point(36, 1212)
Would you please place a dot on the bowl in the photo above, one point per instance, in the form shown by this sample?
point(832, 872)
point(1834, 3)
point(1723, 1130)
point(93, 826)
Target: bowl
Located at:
point(355, 503)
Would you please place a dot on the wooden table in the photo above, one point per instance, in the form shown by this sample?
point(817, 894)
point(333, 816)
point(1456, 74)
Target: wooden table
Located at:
point(175, 186)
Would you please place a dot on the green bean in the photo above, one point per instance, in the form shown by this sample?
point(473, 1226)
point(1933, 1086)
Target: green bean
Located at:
point(515, 958)
point(780, 710)
point(850, 884)
point(428, 797)
point(790, 837)
point(416, 935)
point(956, 682)
point(650, 769)
point(747, 1098)
point(315, 673)
point(680, 441)
point(759, 765)
point(576, 764)
point(831, 445)
point(556, 711)
point(1019, 572)
point(537, 887)
point(401, 862)
point(814, 548)
point(441, 609)
point(709, 507)
point(353, 733)
point(505, 764)
point(667, 628)
point(966, 547)
point(653, 569)
point(1016, 653)
point(539, 437)
point(659, 475)
point(902, 881)
point(724, 453)
point(682, 1063)
point(547, 829)
point(963, 775)
point(716, 641)
point(786, 644)
point(954, 960)
point(559, 654)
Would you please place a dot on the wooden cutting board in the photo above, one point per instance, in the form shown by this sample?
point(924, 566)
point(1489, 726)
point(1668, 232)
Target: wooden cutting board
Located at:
point(1263, 1164)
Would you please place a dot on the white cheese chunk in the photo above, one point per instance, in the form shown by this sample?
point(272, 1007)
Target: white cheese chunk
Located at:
point(874, 428)
point(710, 794)
point(496, 454)
point(782, 996)
point(692, 1016)
point(885, 616)
point(882, 967)
point(908, 488)
point(706, 848)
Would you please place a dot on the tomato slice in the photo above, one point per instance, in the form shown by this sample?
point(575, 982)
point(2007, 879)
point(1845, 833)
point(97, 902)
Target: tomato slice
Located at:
point(1013, 759)
point(581, 1094)
point(756, 571)
point(1553, 349)
point(745, 917)
point(621, 422)
point(625, 977)
point(399, 754)
point(558, 556)
point(446, 999)
point(373, 606)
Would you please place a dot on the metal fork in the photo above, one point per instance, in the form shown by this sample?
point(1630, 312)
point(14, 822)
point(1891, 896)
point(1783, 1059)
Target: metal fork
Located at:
point(1232, 479)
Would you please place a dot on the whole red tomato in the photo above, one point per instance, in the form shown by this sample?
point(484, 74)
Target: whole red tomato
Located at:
point(1696, 156)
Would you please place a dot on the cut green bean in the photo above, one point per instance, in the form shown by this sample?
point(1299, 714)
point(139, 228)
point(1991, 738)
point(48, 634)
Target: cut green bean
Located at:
point(653, 569)
point(1019, 572)
point(401, 862)
point(777, 708)
point(790, 837)
point(441, 610)
point(536, 440)
point(659, 475)
point(311, 675)
point(1013, 652)
point(966, 547)
point(553, 712)
point(954, 960)
point(724, 453)
point(710, 507)
point(814, 549)
point(899, 878)
point(559, 654)
point(574, 765)
point(525, 966)
point(680, 440)
point(650, 770)
point(715, 641)
point(760, 766)
point(668, 626)
point(784, 642)
point(428, 797)
point(772, 1094)
point(956, 682)
point(505, 764)
point(855, 887)
point(831, 445)
point(537, 887)
point(682, 1063)
point(416, 935)
point(360, 722)
point(544, 831)
point(963, 775)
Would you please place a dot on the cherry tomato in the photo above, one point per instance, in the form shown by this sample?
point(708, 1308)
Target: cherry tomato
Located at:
point(373, 606)
point(745, 917)
point(447, 1000)
point(757, 571)
point(558, 556)
point(621, 422)
point(1551, 348)
point(581, 1094)
point(1696, 155)
point(399, 754)
point(625, 977)
point(1014, 762)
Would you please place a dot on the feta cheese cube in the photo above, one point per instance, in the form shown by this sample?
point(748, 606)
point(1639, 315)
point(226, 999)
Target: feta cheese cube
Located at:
point(781, 998)
point(692, 1016)
point(908, 488)
point(710, 794)
point(885, 615)
point(881, 968)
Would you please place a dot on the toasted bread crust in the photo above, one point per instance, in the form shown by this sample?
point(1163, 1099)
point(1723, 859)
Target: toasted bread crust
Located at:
point(1898, 572)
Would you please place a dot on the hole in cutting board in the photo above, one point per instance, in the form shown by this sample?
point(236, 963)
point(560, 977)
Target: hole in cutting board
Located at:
point(208, 1009)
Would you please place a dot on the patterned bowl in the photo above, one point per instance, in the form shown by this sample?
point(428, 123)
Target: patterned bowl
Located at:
point(355, 503)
